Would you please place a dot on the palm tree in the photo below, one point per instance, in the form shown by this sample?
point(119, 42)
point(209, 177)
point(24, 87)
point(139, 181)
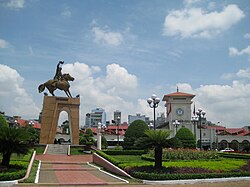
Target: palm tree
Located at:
point(156, 139)
point(13, 141)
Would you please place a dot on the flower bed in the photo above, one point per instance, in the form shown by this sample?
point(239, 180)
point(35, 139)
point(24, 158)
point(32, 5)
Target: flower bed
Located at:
point(177, 173)
point(184, 154)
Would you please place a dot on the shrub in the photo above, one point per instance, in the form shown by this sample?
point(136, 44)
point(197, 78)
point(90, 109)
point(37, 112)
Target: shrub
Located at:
point(174, 143)
point(134, 132)
point(186, 137)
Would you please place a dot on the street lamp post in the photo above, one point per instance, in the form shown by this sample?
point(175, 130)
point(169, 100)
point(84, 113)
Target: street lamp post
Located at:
point(195, 120)
point(99, 136)
point(153, 102)
point(176, 123)
point(200, 113)
point(117, 123)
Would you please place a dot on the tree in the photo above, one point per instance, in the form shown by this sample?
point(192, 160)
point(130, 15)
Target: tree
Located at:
point(3, 122)
point(156, 139)
point(186, 137)
point(87, 138)
point(13, 141)
point(34, 135)
point(134, 132)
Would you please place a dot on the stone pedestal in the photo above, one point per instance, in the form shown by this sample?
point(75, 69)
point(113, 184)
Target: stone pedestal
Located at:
point(52, 106)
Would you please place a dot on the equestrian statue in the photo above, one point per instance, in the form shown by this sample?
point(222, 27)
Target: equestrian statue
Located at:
point(60, 81)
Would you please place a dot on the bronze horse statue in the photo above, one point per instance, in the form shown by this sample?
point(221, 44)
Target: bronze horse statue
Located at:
point(61, 84)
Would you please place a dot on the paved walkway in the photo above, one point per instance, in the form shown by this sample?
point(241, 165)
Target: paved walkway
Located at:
point(71, 170)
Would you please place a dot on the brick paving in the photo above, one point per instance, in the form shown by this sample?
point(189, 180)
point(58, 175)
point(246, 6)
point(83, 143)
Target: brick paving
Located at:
point(71, 170)
point(65, 159)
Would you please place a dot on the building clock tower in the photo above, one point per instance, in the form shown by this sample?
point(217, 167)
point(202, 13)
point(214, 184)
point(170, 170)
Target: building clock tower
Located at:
point(178, 109)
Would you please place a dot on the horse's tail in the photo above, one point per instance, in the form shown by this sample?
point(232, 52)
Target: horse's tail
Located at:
point(41, 88)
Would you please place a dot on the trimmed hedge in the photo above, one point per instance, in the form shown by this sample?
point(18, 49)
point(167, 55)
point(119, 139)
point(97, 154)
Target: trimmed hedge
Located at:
point(157, 176)
point(124, 152)
point(234, 155)
point(12, 175)
point(107, 157)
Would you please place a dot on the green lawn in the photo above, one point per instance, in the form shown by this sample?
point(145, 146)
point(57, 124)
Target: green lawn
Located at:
point(223, 164)
point(40, 149)
point(13, 173)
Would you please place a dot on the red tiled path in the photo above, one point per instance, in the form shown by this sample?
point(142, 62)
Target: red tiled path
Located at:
point(65, 158)
point(60, 169)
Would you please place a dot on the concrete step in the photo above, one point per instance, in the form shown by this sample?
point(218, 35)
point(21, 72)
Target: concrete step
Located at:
point(57, 149)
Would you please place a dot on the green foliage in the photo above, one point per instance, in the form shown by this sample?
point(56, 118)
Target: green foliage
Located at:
point(186, 137)
point(124, 152)
point(39, 149)
point(107, 157)
point(104, 143)
point(12, 175)
point(134, 132)
point(13, 141)
point(174, 143)
point(33, 171)
point(156, 139)
point(87, 138)
point(234, 155)
point(157, 176)
point(185, 154)
point(34, 135)
point(3, 122)
point(225, 165)
point(17, 168)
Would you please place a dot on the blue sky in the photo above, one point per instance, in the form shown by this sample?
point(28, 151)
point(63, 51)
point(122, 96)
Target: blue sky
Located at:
point(121, 52)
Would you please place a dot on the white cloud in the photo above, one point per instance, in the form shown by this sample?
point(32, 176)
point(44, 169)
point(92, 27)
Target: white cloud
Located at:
point(3, 44)
point(16, 4)
point(228, 104)
point(235, 52)
point(191, 2)
point(14, 98)
point(196, 22)
point(244, 73)
point(66, 12)
point(109, 91)
point(247, 35)
point(107, 37)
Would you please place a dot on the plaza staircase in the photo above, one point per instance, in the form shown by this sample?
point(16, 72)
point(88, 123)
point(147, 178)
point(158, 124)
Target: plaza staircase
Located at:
point(57, 149)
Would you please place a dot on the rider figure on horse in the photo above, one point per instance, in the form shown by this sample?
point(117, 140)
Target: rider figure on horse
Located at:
point(58, 75)
point(60, 81)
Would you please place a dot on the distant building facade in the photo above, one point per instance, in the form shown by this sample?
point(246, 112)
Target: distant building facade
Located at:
point(117, 117)
point(97, 115)
point(178, 107)
point(138, 116)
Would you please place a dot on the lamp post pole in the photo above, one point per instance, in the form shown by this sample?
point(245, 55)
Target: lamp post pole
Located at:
point(99, 136)
point(176, 123)
point(153, 102)
point(117, 122)
point(200, 113)
point(194, 120)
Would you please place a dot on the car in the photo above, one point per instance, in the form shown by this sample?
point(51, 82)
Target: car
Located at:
point(227, 150)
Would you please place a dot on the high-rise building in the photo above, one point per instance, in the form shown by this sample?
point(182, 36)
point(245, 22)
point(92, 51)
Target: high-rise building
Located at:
point(97, 115)
point(117, 117)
